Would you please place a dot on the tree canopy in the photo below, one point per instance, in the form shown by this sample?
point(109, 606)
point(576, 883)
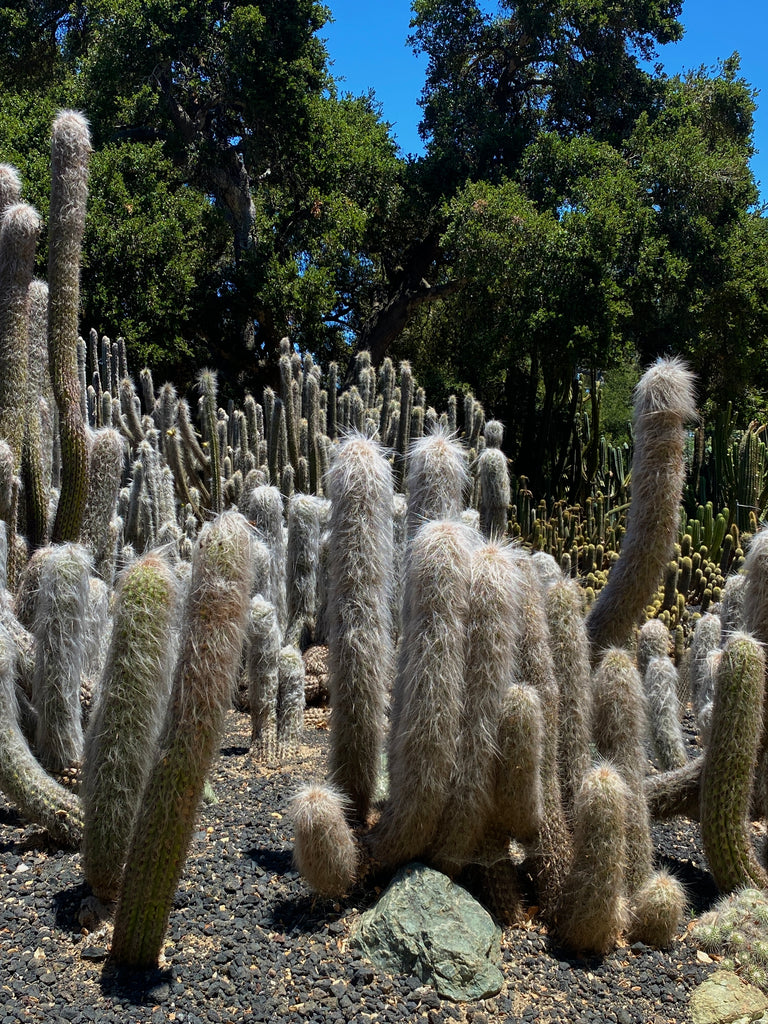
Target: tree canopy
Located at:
point(574, 208)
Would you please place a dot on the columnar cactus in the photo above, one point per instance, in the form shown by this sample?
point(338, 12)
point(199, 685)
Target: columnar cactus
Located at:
point(705, 656)
point(208, 389)
point(262, 654)
point(492, 639)
point(70, 149)
point(120, 743)
point(301, 576)
point(594, 910)
point(214, 628)
point(60, 655)
point(36, 795)
point(324, 846)
point(264, 508)
point(663, 402)
point(360, 654)
point(518, 797)
point(18, 238)
point(437, 476)
point(105, 474)
point(494, 492)
point(290, 700)
point(619, 726)
point(664, 713)
point(570, 656)
point(427, 697)
point(729, 766)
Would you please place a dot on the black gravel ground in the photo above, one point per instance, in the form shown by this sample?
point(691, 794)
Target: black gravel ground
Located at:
point(246, 941)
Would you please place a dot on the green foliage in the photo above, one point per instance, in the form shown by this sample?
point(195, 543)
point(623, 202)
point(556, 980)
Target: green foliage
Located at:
point(151, 243)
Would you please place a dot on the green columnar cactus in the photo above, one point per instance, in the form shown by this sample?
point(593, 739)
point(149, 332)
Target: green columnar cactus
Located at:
point(437, 475)
point(570, 656)
point(663, 402)
point(105, 474)
point(290, 700)
point(386, 388)
point(324, 846)
point(619, 726)
point(593, 910)
point(302, 554)
point(332, 424)
point(428, 691)
point(729, 765)
point(120, 743)
point(262, 654)
point(492, 639)
point(660, 683)
point(36, 795)
point(70, 150)
point(291, 424)
point(359, 581)
point(60, 653)
point(211, 645)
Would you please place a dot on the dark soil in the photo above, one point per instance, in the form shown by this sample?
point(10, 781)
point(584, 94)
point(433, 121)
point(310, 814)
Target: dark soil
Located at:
point(246, 940)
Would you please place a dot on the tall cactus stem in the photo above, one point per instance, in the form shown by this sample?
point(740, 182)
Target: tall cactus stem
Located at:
point(70, 150)
point(214, 628)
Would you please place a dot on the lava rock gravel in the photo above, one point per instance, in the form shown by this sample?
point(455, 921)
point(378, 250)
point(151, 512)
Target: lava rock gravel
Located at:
point(247, 942)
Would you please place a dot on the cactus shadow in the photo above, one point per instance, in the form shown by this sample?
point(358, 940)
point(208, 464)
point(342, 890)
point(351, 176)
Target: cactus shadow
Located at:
point(134, 986)
point(275, 861)
point(66, 905)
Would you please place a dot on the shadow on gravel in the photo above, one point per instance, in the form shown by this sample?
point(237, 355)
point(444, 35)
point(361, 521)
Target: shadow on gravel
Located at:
point(66, 904)
point(233, 751)
point(278, 862)
point(139, 988)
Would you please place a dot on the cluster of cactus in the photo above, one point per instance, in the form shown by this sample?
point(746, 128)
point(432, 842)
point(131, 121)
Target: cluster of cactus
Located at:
point(150, 568)
point(503, 692)
point(735, 931)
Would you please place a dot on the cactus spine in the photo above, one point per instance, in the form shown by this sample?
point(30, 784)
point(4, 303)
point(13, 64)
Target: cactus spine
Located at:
point(214, 627)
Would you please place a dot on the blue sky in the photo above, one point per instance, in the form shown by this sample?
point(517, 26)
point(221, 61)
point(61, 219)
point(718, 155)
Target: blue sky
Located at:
point(367, 45)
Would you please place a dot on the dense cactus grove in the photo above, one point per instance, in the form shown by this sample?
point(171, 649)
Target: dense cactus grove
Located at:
point(500, 671)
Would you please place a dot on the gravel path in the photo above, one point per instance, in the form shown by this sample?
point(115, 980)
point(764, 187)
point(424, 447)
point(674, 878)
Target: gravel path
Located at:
point(247, 942)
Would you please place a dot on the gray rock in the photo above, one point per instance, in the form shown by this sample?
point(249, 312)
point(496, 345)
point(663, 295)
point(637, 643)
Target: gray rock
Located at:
point(427, 926)
point(725, 999)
